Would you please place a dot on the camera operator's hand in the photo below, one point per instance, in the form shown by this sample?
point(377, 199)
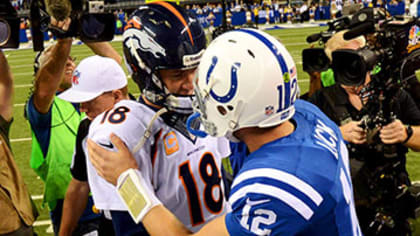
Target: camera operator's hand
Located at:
point(353, 133)
point(394, 132)
point(60, 28)
point(63, 25)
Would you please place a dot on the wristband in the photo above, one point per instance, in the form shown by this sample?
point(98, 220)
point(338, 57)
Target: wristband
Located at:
point(409, 130)
point(137, 195)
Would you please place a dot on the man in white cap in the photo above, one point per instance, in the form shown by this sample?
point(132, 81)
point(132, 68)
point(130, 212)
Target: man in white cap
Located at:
point(97, 84)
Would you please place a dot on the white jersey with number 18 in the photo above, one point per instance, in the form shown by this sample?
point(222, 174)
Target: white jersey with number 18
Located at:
point(185, 172)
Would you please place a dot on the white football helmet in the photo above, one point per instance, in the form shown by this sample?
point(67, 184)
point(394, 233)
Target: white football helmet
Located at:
point(246, 78)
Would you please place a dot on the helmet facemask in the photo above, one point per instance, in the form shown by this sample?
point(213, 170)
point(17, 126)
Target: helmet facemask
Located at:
point(214, 116)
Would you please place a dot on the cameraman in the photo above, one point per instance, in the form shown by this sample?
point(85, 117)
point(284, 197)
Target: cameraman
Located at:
point(54, 123)
point(370, 166)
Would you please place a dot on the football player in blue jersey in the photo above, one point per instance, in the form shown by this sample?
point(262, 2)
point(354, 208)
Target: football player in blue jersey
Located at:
point(295, 180)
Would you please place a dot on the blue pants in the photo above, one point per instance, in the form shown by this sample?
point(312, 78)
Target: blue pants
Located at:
point(124, 225)
point(88, 222)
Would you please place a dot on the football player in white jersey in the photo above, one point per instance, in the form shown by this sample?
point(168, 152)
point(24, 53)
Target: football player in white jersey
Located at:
point(162, 46)
point(295, 180)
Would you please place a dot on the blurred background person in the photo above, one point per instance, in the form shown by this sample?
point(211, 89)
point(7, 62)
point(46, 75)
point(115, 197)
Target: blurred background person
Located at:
point(16, 207)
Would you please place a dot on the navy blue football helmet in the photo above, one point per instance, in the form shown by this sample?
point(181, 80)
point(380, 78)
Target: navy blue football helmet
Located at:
point(161, 35)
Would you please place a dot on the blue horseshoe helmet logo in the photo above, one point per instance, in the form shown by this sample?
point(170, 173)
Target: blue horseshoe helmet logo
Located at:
point(233, 82)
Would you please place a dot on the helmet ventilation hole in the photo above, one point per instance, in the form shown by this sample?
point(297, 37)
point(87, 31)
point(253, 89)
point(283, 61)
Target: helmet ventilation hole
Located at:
point(222, 110)
point(168, 24)
point(231, 41)
point(251, 53)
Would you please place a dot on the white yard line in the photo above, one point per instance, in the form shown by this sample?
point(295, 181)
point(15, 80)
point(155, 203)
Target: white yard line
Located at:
point(23, 85)
point(24, 73)
point(42, 223)
point(37, 197)
point(15, 140)
point(20, 66)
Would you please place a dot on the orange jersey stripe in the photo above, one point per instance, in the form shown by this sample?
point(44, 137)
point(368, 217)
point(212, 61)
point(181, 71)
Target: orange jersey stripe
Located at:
point(178, 15)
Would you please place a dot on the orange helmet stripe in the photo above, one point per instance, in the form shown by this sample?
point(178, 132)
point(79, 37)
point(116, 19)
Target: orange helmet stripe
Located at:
point(178, 15)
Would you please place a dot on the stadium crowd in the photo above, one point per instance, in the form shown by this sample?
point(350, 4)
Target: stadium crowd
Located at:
point(218, 142)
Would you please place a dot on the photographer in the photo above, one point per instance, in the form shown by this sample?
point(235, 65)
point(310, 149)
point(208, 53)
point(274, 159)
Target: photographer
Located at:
point(18, 212)
point(378, 168)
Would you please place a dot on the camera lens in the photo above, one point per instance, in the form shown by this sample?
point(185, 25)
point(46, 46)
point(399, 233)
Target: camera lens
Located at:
point(4, 32)
point(353, 71)
point(314, 59)
point(92, 27)
point(349, 67)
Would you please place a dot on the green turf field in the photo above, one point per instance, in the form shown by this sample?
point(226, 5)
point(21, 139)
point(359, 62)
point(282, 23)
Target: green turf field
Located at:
point(21, 62)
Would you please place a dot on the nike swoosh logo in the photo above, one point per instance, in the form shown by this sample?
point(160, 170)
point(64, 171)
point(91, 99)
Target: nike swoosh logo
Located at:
point(109, 145)
point(253, 203)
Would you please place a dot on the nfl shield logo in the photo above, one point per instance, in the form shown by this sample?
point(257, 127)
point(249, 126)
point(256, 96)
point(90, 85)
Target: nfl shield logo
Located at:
point(75, 78)
point(269, 110)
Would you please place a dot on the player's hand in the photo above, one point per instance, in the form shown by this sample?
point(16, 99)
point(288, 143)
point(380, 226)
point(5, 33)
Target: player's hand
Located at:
point(353, 133)
point(395, 132)
point(109, 164)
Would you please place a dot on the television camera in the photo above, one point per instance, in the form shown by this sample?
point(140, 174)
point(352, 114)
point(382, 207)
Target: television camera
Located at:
point(9, 26)
point(90, 20)
point(393, 44)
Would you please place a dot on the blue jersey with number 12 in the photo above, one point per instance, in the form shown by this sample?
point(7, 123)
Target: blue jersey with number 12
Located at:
point(297, 185)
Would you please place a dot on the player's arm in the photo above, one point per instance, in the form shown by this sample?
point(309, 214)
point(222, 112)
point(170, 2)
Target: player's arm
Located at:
point(74, 205)
point(110, 165)
point(105, 49)
point(78, 190)
point(49, 76)
point(6, 89)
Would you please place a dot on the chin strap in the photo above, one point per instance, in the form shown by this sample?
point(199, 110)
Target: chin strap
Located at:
point(191, 129)
point(148, 131)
